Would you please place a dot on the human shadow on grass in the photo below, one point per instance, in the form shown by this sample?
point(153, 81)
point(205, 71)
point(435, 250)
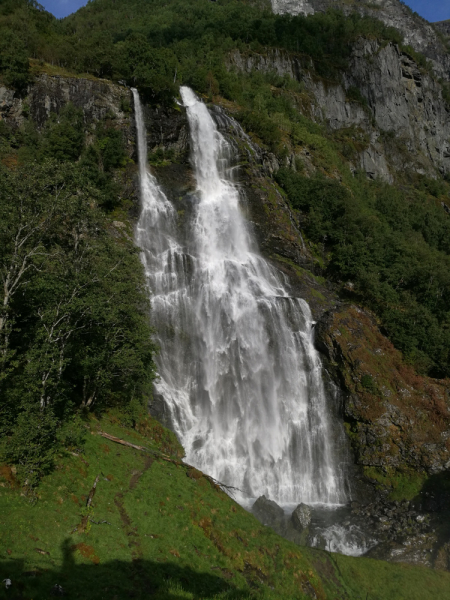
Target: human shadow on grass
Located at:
point(113, 580)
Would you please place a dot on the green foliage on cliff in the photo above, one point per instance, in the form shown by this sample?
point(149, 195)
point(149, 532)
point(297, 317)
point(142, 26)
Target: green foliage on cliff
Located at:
point(64, 136)
point(14, 64)
point(393, 245)
point(404, 485)
point(74, 323)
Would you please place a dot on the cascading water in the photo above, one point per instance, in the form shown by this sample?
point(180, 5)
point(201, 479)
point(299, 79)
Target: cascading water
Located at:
point(237, 365)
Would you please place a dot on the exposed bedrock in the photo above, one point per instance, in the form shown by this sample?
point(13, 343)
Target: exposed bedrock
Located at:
point(396, 419)
point(99, 99)
point(401, 108)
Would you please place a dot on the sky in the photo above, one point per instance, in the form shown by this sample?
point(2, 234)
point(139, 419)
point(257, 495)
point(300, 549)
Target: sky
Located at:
point(432, 10)
point(62, 8)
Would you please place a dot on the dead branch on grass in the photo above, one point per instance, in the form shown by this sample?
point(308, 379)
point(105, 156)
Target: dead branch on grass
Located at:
point(229, 489)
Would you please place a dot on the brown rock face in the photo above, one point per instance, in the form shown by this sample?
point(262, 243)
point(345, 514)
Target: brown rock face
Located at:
point(396, 419)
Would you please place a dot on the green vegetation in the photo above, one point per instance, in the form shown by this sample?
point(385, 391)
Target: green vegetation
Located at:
point(393, 245)
point(369, 384)
point(403, 485)
point(158, 527)
point(74, 323)
point(14, 63)
point(153, 44)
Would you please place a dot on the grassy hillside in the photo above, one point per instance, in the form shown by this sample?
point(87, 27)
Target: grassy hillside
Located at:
point(157, 528)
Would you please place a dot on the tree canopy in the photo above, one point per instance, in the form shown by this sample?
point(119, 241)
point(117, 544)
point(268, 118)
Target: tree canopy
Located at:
point(74, 321)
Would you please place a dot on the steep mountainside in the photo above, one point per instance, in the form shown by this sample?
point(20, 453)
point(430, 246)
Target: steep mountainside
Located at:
point(417, 32)
point(443, 27)
point(400, 111)
point(341, 136)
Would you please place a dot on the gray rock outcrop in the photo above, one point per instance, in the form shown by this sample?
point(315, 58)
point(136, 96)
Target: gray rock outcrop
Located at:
point(443, 27)
point(98, 99)
point(402, 111)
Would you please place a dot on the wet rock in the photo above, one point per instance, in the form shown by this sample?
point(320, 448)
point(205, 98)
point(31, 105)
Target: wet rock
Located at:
point(301, 517)
point(158, 408)
point(57, 590)
point(167, 133)
point(416, 550)
point(384, 432)
point(442, 560)
point(268, 512)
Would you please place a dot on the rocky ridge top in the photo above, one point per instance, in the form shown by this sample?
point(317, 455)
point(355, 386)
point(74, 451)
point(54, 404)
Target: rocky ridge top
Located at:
point(417, 32)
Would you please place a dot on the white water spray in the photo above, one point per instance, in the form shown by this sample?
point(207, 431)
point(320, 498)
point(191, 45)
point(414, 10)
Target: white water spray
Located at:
point(238, 369)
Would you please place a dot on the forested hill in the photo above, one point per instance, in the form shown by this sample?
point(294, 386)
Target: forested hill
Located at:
point(430, 39)
point(159, 45)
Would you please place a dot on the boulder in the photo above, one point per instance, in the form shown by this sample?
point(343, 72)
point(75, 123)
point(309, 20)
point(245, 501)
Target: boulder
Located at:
point(301, 517)
point(268, 512)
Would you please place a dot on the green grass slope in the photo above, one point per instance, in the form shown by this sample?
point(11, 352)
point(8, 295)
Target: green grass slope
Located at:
point(159, 529)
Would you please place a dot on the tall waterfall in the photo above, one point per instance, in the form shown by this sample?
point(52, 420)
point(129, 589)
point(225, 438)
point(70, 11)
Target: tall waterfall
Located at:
point(237, 366)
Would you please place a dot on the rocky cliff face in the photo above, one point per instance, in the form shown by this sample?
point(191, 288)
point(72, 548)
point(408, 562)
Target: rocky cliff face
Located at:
point(99, 100)
point(417, 32)
point(402, 112)
point(443, 27)
point(396, 418)
point(398, 424)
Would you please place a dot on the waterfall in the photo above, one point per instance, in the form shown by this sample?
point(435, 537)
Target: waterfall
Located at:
point(237, 367)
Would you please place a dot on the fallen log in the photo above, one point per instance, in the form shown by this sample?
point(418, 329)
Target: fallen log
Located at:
point(92, 492)
point(119, 441)
point(84, 521)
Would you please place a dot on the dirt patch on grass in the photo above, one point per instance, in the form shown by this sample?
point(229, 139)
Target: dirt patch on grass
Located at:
point(326, 569)
point(138, 474)
point(131, 531)
point(118, 501)
point(86, 551)
point(7, 473)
